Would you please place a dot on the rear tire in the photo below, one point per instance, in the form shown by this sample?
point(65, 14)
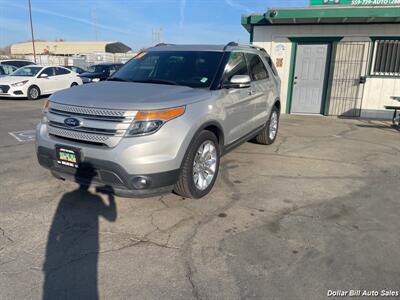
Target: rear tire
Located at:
point(200, 167)
point(74, 84)
point(270, 132)
point(33, 93)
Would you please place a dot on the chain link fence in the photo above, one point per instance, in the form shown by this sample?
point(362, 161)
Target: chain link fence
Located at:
point(83, 60)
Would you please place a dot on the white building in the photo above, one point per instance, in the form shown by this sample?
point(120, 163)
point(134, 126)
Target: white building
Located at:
point(78, 53)
point(333, 59)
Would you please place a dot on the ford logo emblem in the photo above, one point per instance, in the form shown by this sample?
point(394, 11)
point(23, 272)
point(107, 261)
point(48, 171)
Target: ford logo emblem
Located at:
point(72, 122)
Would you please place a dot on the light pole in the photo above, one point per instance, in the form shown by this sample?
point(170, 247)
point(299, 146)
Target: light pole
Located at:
point(33, 38)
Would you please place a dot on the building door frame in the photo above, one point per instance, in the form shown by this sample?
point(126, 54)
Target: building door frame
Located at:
point(310, 40)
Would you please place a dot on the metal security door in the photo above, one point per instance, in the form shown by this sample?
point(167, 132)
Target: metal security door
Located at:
point(349, 66)
point(309, 78)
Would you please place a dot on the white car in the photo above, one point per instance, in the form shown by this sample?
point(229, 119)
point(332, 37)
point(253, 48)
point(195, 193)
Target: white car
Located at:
point(32, 81)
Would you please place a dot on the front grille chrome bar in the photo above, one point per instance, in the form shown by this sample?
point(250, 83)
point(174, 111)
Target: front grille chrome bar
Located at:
point(98, 125)
point(91, 111)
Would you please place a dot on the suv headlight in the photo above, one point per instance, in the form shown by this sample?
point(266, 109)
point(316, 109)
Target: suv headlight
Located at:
point(148, 122)
point(45, 110)
point(21, 83)
point(95, 79)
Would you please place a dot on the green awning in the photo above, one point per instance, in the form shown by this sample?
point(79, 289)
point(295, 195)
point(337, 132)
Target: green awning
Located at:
point(316, 16)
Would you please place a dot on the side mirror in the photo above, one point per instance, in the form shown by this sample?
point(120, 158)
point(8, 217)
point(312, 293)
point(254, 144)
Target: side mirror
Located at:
point(44, 76)
point(239, 82)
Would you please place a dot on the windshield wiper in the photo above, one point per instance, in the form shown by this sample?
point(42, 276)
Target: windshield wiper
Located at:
point(160, 81)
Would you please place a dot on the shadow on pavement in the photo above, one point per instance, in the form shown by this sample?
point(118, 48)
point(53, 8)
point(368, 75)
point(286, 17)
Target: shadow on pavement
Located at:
point(379, 126)
point(70, 267)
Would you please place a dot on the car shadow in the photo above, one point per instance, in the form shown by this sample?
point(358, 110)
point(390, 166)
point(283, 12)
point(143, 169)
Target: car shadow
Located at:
point(70, 267)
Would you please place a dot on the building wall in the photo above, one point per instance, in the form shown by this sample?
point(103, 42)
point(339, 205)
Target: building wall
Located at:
point(377, 91)
point(60, 48)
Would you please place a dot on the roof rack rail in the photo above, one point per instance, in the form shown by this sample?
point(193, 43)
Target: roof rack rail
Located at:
point(231, 44)
point(162, 44)
point(258, 48)
point(234, 44)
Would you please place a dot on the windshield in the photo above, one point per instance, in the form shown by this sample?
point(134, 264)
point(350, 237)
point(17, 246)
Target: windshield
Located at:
point(98, 69)
point(188, 68)
point(26, 71)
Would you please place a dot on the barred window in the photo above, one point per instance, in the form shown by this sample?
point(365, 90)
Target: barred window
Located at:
point(387, 58)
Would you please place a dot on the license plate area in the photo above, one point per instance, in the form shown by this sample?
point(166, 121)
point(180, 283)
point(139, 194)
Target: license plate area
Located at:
point(68, 157)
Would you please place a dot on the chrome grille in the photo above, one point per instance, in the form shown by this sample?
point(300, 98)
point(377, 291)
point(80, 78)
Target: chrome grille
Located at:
point(75, 135)
point(4, 88)
point(86, 129)
point(87, 110)
point(97, 125)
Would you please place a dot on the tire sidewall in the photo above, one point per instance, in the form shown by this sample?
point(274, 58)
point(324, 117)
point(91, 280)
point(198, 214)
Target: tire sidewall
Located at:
point(29, 92)
point(201, 138)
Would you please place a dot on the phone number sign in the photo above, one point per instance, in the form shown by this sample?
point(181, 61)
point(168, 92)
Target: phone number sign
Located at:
point(355, 2)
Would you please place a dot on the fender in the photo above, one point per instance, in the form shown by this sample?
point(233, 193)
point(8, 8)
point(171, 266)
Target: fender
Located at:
point(220, 136)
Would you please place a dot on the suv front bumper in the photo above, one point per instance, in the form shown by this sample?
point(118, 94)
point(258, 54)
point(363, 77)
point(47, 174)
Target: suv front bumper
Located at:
point(109, 176)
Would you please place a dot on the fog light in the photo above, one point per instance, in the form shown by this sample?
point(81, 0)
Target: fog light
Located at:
point(140, 183)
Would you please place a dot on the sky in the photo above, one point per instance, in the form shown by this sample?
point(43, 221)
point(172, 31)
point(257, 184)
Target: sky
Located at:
point(132, 21)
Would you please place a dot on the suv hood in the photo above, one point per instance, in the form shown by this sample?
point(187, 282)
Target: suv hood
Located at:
point(129, 95)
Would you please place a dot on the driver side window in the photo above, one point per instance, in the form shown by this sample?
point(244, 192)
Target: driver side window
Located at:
point(257, 67)
point(48, 71)
point(236, 66)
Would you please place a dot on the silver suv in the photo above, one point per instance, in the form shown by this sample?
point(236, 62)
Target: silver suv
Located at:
point(162, 122)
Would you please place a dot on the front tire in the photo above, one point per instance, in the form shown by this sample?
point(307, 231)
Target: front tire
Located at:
point(270, 132)
point(74, 84)
point(33, 93)
point(200, 167)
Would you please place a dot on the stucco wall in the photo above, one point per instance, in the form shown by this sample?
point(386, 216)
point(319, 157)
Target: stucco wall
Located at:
point(377, 90)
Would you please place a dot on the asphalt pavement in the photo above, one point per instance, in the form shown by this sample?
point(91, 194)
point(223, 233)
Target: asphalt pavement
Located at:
point(316, 211)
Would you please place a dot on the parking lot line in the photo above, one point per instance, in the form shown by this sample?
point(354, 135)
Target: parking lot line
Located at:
point(23, 136)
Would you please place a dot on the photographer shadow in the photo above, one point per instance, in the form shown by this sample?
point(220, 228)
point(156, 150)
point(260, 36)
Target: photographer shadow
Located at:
point(71, 263)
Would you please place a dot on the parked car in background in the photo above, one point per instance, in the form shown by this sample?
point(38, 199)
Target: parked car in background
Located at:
point(75, 69)
point(99, 72)
point(16, 62)
point(6, 70)
point(33, 81)
point(163, 121)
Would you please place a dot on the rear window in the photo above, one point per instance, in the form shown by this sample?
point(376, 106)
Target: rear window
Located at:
point(17, 63)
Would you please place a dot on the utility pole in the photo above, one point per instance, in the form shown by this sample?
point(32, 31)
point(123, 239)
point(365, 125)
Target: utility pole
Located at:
point(156, 36)
point(33, 38)
point(94, 21)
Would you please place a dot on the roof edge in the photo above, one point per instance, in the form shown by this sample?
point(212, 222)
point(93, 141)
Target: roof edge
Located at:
point(385, 14)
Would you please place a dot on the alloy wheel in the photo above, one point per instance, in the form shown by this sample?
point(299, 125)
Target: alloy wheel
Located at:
point(34, 93)
point(273, 126)
point(205, 165)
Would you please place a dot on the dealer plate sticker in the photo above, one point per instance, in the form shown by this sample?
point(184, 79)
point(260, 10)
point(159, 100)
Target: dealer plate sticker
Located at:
point(67, 157)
